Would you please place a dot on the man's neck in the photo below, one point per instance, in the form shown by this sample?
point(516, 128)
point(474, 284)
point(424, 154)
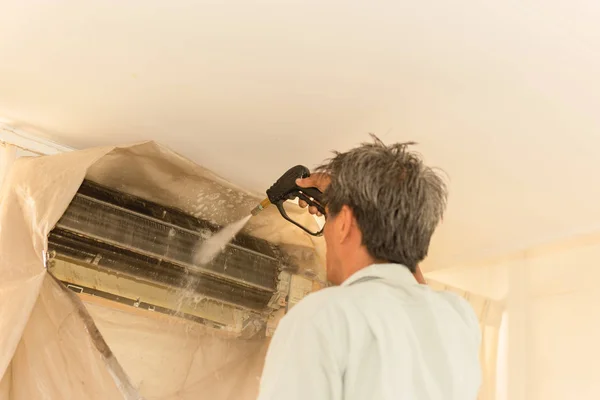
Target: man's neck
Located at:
point(356, 263)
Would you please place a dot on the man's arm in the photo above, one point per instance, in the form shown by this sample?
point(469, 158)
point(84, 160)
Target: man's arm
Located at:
point(300, 363)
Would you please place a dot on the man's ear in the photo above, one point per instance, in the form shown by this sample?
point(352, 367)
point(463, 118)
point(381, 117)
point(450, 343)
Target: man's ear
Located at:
point(345, 220)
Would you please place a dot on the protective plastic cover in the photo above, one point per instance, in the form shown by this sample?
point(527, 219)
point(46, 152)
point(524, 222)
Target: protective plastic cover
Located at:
point(56, 347)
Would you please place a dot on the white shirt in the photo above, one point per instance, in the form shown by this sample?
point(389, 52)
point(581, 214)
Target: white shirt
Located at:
point(378, 336)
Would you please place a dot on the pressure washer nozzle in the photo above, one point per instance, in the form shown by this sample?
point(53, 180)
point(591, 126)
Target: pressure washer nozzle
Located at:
point(263, 204)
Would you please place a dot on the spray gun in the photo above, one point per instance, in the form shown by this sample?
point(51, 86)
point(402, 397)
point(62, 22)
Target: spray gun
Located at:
point(286, 189)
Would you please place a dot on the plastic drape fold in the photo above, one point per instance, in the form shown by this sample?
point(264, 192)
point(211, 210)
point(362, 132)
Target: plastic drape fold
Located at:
point(8, 155)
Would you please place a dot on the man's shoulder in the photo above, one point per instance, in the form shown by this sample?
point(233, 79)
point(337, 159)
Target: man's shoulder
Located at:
point(325, 306)
point(326, 314)
point(462, 308)
point(321, 300)
point(459, 303)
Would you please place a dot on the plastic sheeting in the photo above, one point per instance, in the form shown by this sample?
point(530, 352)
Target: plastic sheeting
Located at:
point(180, 360)
point(53, 347)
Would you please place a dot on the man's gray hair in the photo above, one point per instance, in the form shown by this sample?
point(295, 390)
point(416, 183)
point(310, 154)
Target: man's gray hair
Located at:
point(396, 199)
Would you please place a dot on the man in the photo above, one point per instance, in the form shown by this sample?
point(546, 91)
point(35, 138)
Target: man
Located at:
point(380, 334)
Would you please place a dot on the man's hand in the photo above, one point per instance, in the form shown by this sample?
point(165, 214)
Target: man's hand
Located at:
point(317, 180)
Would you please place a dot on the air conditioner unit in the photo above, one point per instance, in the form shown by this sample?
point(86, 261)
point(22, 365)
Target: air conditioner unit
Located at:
point(120, 248)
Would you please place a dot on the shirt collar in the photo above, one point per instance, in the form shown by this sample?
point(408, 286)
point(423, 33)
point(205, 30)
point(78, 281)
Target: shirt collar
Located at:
point(393, 273)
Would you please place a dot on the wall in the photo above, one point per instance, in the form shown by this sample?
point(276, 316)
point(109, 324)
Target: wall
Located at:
point(551, 294)
point(15, 143)
point(565, 321)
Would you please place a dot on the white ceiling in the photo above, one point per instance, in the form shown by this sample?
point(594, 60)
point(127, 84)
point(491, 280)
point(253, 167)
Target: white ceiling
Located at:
point(502, 95)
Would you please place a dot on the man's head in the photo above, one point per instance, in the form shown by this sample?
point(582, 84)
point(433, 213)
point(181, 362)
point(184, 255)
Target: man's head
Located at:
point(383, 205)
